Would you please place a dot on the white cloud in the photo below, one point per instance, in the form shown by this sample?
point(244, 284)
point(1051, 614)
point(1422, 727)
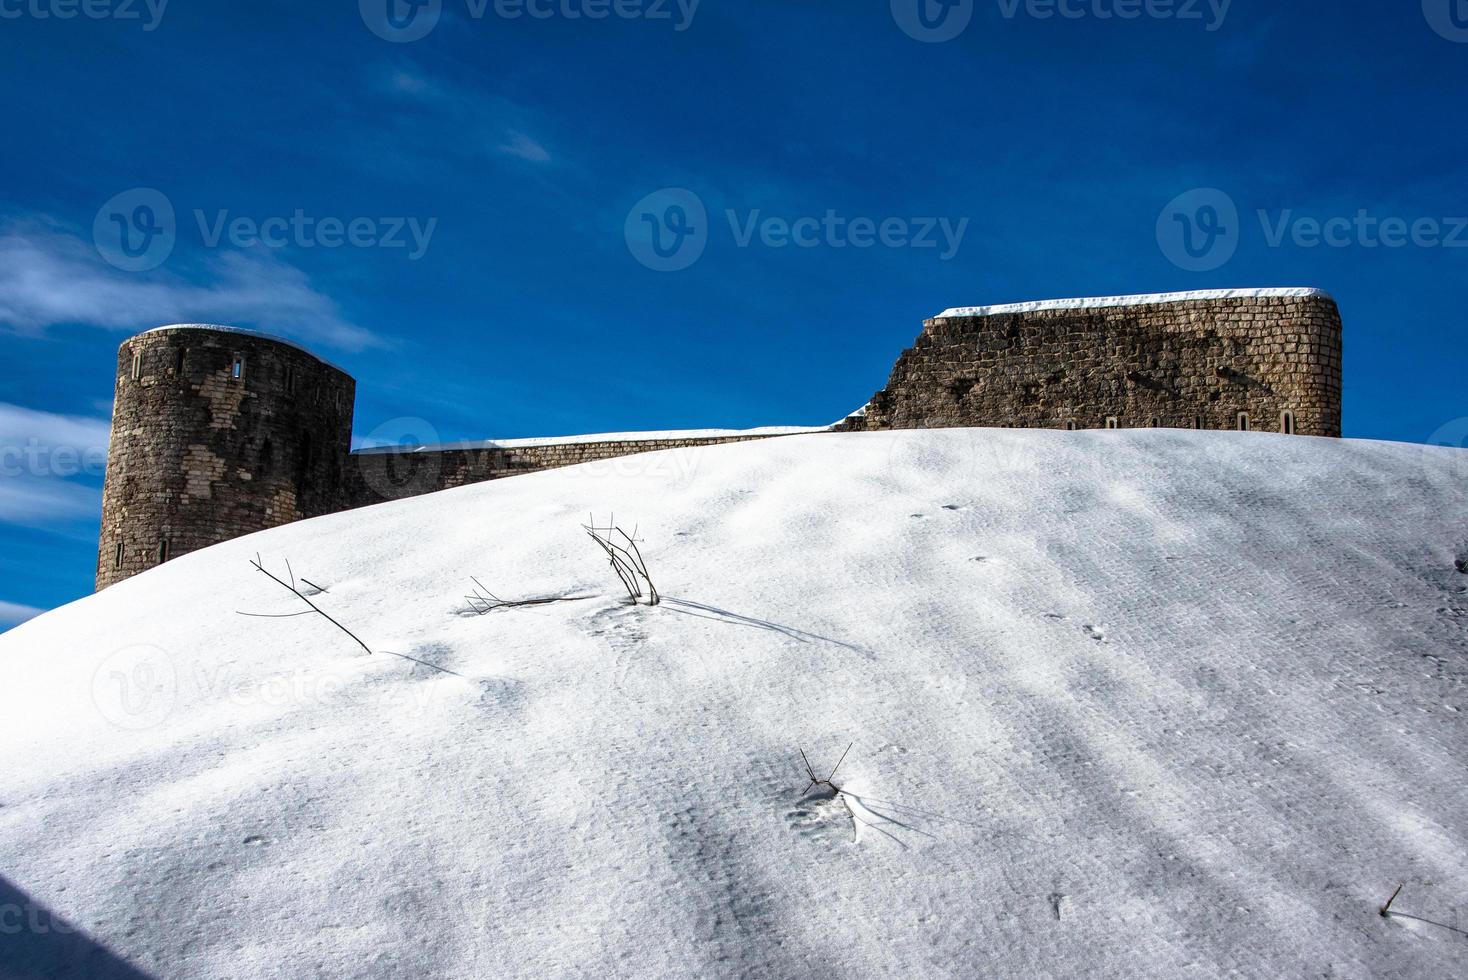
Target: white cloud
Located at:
point(23, 429)
point(525, 148)
point(44, 502)
point(13, 613)
point(49, 276)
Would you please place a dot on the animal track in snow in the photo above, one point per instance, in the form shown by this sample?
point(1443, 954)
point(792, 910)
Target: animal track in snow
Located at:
point(1058, 904)
point(1094, 633)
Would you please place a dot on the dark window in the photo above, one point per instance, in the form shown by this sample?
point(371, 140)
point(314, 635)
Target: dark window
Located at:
point(117, 556)
point(178, 361)
point(290, 380)
point(1154, 423)
point(1243, 421)
point(1287, 423)
point(267, 458)
point(1197, 421)
point(1112, 423)
point(1070, 426)
point(162, 551)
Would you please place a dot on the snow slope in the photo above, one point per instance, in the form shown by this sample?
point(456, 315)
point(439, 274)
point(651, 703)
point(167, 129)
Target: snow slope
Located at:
point(1142, 703)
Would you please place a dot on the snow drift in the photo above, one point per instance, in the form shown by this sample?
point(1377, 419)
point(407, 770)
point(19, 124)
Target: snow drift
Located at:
point(1126, 703)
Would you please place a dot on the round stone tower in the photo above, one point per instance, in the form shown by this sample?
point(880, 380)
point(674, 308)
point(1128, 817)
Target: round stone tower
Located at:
point(217, 432)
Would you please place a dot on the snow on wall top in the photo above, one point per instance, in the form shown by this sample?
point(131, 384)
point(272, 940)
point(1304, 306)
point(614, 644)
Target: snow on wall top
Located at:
point(1143, 299)
point(243, 332)
point(666, 436)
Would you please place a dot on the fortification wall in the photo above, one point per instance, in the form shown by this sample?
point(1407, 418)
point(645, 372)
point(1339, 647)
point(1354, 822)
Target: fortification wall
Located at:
point(217, 433)
point(376, 476)
point(1142, 361)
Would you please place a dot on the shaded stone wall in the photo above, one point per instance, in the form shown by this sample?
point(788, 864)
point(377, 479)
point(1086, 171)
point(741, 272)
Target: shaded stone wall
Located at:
point(377, 476)
point(1194, 363)
point(199, 455)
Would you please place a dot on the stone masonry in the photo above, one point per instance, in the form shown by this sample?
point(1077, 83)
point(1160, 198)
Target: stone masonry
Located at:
point(218, 432)
point(1271, 363)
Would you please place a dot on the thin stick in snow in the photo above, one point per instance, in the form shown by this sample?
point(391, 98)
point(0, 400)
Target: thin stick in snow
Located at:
point(291, 587)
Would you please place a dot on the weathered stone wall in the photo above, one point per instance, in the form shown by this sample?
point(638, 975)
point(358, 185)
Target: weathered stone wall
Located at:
point(200, 456)
point(1194, 363)
point(376, 476)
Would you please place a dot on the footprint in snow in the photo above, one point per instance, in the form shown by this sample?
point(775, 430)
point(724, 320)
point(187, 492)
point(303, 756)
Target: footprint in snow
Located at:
point(1094, 633)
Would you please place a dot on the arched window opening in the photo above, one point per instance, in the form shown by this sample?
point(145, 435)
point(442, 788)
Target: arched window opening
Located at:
point(1154, 423)
point(1070, 426)
point(178, 362)
point(237, 370)
point(137, 365)
point(1111, 422)
point(117, 556)
point(1287, 423)
point(1197, 421)
point(1243, 421)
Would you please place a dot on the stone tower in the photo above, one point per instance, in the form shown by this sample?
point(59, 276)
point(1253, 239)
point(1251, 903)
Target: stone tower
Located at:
point(217, 432)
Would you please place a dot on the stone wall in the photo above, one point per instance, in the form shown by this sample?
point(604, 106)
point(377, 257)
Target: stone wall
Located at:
point(218, 433)
point(1195, 363)
point(375, 476)
point(202, 452)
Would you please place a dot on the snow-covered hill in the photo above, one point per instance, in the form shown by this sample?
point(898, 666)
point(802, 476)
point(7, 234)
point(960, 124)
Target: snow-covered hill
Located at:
point(1120, 703)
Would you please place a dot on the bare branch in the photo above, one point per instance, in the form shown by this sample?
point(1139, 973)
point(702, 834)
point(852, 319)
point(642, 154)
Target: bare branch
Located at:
point(260, 567)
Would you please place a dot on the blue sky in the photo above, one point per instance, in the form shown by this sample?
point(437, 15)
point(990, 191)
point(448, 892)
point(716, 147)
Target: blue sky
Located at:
point(501, 279)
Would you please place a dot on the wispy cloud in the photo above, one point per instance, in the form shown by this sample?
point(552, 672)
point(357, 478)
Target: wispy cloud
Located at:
point(49, 276)
point(45, 503)
point(22, 429)
point(525, 148)
point(47, 462)
point(484, 124)
point(13, 613)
